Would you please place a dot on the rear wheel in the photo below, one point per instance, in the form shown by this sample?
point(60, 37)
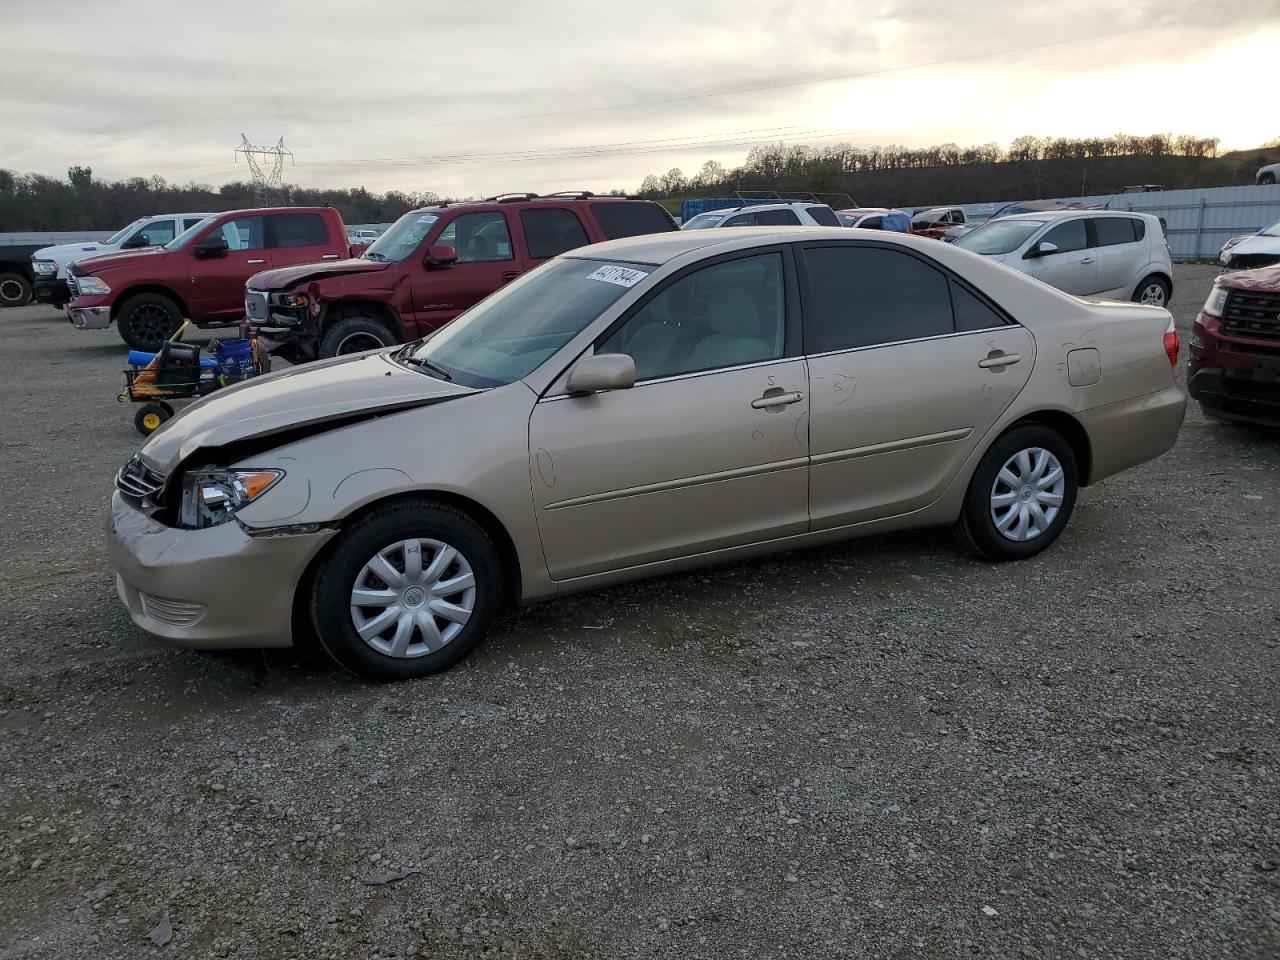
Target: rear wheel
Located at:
point(1021, 496)
point(355, 335)
point(147, 320)
point(407, 591)
point(1153, 290)
point(15, 290)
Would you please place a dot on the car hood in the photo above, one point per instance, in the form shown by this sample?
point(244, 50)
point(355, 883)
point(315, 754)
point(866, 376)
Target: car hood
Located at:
point(286, 277)
point(1265, 279)
point(340, 390)
point(1257, 244)
point(92, 266)
point(67, 251)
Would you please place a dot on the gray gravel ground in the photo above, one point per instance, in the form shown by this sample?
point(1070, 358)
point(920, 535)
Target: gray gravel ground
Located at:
point(878, 749)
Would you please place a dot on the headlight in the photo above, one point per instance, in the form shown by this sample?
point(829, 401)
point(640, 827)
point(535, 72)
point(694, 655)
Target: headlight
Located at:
point(211, 497)
point(1216, 301)
point(44, 268)
point(92, 287)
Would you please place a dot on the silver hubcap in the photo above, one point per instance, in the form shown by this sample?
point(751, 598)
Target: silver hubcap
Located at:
point(413, 598)
point(1154, 293)
point(1027, 494)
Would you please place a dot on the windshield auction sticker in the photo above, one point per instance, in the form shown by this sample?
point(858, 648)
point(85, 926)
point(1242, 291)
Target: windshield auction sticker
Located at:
point(622, 276)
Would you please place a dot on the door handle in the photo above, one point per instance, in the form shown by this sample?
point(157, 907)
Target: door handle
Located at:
point(330, 256)
point(998, 360)
point(255, 261)
point(776, 400)
point(510, 275)
point(1087, 260)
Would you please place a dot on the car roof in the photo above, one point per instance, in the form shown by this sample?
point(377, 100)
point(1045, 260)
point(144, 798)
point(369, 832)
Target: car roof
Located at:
point(1064, 214)
point(658, 248)
point(864, 210)
point(519, 200)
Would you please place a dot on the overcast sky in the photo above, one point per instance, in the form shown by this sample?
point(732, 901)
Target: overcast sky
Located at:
point(485, 96)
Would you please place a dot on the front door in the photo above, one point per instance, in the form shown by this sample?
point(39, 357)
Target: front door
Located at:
point(217, 282)
point(486, 261)
point(1073, 267)
point(708, 450)
point(908, 369)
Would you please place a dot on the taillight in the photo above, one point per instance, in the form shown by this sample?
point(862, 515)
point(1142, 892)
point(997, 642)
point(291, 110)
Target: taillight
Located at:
point(1171, 344)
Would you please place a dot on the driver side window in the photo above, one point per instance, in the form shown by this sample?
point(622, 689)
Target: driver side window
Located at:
point(157, 233)
point(244, 233)
point(478, 237)
point(1068, 237)
point(723, 315)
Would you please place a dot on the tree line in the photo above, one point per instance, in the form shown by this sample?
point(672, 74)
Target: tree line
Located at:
point(35, 202)
point(891, 175)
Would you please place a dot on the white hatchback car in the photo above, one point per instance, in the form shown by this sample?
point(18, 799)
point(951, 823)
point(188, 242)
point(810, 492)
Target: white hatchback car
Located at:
point(766, 215)
point(1088, 253)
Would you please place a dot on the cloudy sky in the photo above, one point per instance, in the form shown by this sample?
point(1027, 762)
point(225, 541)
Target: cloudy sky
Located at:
point(488, 95)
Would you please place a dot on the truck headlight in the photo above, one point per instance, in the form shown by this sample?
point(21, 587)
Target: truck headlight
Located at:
point(91, 287)
point(212, 496)
point(44, 268)
point(1216, 301)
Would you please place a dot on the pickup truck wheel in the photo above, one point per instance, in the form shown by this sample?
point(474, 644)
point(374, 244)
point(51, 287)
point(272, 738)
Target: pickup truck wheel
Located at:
point(15, 290)
point(147, 320)
point(353, 335)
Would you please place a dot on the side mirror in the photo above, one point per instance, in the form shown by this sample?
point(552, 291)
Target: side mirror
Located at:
point(136, 242)
point(604, 371)
point(214, 245)
point(440, 255)
point(1041, 249)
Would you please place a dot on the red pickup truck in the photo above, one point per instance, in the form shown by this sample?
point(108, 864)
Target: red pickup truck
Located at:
point(200, 274)
point(431, 265)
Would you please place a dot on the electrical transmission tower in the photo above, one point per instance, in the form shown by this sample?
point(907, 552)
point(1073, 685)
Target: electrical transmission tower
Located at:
point(268, 187)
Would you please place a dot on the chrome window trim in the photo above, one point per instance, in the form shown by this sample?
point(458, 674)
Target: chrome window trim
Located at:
point(682, 376)
point(898, 343)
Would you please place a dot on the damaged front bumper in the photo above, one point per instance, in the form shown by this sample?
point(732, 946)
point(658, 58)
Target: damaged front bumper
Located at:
point(217, 588)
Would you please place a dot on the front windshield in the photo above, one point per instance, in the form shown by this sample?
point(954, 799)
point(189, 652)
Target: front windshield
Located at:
point(185, 237)
point(702, 220)
point(403, 237)
point(124, 232)
point(926, 217)
point(1271, 231)
point(510, 334)
point(999, 236)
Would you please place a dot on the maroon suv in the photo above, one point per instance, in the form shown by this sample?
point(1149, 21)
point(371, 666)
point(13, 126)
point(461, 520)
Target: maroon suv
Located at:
point(1234, 370)
point(431, 265)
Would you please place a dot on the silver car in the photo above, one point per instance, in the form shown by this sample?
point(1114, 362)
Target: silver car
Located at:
point(630, 409)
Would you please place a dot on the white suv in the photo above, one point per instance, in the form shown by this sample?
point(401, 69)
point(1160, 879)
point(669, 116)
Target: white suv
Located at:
point(49, 264)
point(766, 215)
point(1088, 253)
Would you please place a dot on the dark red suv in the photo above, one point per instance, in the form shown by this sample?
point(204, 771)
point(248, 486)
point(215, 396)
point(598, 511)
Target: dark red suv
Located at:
point(431, 265)
point(1234, 370)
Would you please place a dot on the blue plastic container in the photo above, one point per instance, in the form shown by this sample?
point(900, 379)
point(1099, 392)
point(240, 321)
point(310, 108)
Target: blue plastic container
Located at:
point(236, 351)
point(140, 358)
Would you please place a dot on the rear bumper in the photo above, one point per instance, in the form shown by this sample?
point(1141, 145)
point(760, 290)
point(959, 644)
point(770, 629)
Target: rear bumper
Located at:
point(1125, 434)
point(52, 291)
point(1238, 398)
point(210, 589)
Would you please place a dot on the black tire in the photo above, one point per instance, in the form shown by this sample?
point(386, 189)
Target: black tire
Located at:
point(336, 576)
point(15, 290)
point(976, 527)
point(147, 320)
point(355, 334)
point(1152, 281)
point(149, 417)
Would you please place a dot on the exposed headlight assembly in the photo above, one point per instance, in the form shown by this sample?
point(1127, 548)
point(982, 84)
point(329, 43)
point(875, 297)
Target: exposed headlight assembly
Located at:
point(212, 496)
point(92, 287)
point(44, 268)
point(1216, 301)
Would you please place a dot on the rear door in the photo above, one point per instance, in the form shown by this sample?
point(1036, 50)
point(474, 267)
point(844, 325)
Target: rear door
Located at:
point(1115, 242)
point(217, 283)
point(295, 238)
point(1073, 267)
point(909, 367)
point(548, 231)
point(486, 260)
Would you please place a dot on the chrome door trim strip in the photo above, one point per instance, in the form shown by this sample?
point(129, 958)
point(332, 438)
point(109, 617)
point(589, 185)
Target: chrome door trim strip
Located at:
point(907, 443)
point(664, 485)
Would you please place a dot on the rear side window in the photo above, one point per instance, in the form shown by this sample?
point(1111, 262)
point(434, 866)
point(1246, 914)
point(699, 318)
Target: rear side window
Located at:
point(550, 232)
point(971, 311)
point(825, 216)
point(779, 218)
point(619, 220)
point(741, 220)
point(297, 230)
point(861, 296)
point(872, 223)
point(1068, 237)
point(1113, 230)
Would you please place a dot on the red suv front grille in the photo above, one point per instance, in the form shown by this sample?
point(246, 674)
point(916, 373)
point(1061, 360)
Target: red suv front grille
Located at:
point(1253, 315)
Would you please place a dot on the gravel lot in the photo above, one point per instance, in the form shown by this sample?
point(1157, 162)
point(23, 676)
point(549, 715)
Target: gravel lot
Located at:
point(879, 749)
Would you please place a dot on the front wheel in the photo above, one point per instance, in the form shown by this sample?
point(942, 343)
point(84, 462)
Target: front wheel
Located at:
point(407, 591)
point(147, 320)
point(355, 335)
point(1153, 290)
point(1021, 496)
